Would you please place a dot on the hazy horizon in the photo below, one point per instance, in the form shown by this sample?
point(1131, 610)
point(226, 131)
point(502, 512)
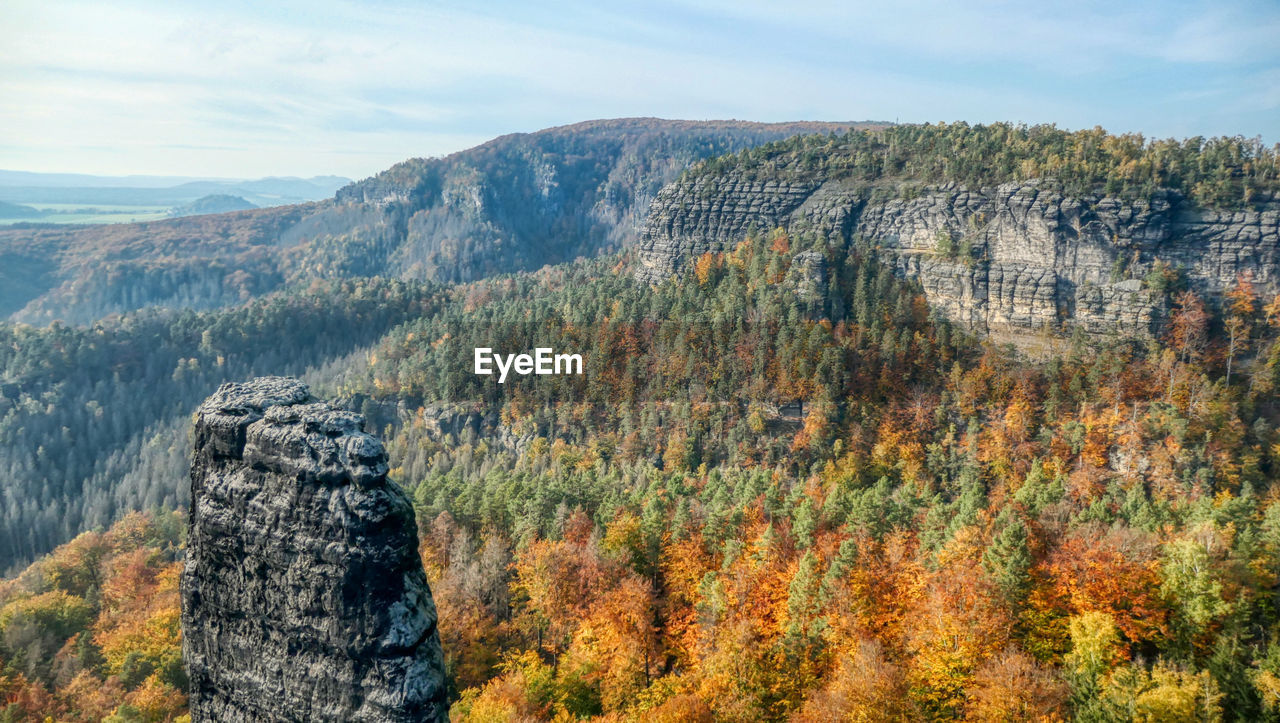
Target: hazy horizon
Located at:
point(59, 178)
point(235, 90)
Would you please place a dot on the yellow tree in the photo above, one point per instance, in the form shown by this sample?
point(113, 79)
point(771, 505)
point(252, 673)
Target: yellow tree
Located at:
point(618, 642)
point(1241, 305)
point(1012, 686)
point(959, 624)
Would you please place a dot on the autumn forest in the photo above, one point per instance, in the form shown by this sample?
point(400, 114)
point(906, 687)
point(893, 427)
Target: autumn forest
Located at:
point(765, 499)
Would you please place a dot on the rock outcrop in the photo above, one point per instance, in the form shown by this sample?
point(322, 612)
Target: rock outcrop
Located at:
point(1017, 258)
point(303, 596)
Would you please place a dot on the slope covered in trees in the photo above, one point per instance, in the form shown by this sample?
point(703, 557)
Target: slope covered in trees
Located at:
point(517, 202)
point(93, 420)
point(91, 632)
point(784, 488)
point(774, 495)
point(762, 502)
point(1216, 172)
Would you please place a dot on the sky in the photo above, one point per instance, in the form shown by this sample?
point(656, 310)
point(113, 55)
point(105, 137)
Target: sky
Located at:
point(245, 89)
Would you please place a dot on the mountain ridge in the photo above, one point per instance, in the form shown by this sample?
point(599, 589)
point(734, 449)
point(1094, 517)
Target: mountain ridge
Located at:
point(518, 202)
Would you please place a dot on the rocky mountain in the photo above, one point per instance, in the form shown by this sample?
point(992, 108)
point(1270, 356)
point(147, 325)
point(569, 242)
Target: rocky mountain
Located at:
point(525, 200)
point(1015, 256)
point(515, 203)
point(303, 595)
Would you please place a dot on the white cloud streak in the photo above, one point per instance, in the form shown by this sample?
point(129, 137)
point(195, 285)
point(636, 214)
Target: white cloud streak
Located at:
point(330, 86)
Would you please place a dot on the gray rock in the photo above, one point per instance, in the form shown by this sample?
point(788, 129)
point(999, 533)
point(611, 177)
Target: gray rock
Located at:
point(1039, 259)
point(303, 596)
point(809, 275)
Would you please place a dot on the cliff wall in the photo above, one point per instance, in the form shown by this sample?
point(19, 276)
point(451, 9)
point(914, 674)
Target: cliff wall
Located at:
point(1018, 257)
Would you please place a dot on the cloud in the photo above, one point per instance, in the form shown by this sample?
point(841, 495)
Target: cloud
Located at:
point(1222, 35)
point(329, 86)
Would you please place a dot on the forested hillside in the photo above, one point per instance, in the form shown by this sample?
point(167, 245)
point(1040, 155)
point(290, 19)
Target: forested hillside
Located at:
point(934, 530)
point(91, 632)
point(780, 494)
point(515, 203)
point(93, 420)
point(1216, 172)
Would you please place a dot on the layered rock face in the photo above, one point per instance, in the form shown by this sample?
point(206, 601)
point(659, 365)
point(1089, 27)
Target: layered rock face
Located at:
point(303, 596)
point(1021, 257)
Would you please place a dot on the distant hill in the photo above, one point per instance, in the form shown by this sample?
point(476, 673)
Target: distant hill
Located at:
point(51, 180)
point(61, 188)
point(14, 210)
point(215, 203)
point(515, 203)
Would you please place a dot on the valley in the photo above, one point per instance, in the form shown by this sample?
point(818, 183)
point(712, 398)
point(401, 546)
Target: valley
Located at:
point(806, 472)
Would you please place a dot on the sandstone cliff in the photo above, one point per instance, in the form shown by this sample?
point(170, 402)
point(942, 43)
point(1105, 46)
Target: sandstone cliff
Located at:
point(1021, 256)
point(303, 596)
